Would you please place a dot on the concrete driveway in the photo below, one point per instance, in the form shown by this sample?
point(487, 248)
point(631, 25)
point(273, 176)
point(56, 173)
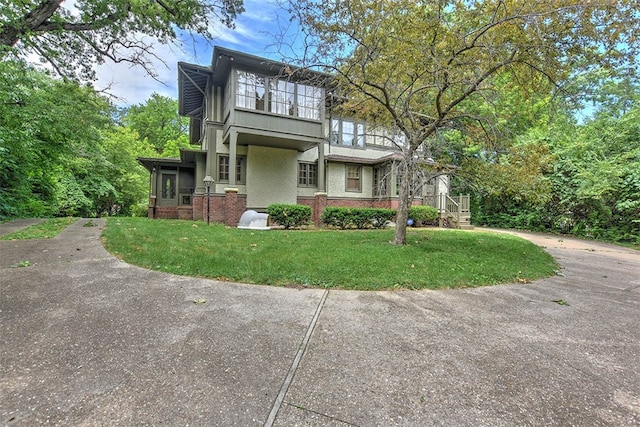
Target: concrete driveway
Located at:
point(89, 340)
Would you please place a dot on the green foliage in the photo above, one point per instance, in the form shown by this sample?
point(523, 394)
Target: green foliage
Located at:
point(289, 215)
point(158, 123)
point(62, 154)
point(50, 134)
point(45, 230)
point(423, 214)
point(327, 258)
point(427, 68)
point(593, 177)
point(359, 218)
point(73, 39)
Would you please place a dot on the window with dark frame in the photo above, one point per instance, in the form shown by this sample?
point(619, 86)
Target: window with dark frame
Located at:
point(353, 178)
point(307, 174)
point(380, 181)
point(347, 133)
point(223, 169)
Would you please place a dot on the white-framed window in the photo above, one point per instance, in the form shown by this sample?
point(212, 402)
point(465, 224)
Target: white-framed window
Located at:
point(307, 174)
point(347, 133)
point(282, 97)
point(353, 178)
point(309, 99)
point(250, 91)
point(223, 168)
point(278, 96)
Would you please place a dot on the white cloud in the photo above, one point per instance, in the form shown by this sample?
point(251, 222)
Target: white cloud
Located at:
point(132, 85)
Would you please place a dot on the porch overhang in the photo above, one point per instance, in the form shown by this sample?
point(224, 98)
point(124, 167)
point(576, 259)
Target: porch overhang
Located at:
point(276, 140)
point(187, 159)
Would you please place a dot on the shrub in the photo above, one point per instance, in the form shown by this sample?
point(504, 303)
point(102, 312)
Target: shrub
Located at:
point(423, 214)
point(357, 217)
point(140, 209)
point(289, 215)
point(337, 217)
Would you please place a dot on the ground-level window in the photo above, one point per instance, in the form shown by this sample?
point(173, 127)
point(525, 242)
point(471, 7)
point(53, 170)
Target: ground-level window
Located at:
point(380, 181)
point(353, 178)
point(223, 169)
point(307, 174)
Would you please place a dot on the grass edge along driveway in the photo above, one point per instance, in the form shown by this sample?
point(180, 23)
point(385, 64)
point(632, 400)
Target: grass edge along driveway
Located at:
point(351, 259)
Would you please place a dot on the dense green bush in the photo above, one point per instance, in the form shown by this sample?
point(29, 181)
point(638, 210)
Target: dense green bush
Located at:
point(423, 214)
point(289, 215)
point(357, 217)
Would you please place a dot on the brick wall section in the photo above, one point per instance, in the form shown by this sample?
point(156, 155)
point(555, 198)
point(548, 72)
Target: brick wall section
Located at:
point(151, 213)
point(164, 212)
point(198, 208)
point(185, 212)
point(234, 206)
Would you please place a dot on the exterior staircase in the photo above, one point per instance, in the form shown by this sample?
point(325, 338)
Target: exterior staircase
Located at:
point(454, 211)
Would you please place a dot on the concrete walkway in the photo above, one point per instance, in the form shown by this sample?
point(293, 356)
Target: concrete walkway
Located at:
point(86, 339)
point(18, 224)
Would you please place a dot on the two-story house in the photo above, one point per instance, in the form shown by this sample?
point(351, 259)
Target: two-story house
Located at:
point(267, 133)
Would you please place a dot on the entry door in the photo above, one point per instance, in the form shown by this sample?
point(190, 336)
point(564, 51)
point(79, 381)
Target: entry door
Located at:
point(168, 189)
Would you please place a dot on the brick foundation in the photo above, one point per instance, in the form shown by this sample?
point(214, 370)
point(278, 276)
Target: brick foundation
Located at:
point(234, 206)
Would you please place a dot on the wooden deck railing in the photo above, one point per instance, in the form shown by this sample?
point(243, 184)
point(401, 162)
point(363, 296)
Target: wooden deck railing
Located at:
point(453, 207)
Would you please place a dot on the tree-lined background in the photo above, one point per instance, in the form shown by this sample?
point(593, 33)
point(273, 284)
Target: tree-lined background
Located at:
point(536, 150)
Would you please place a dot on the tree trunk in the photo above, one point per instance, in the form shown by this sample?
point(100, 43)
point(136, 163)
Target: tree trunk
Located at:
point(10, 33)
point(400, 235)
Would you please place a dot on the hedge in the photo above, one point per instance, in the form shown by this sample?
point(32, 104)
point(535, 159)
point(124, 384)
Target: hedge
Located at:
point(289, 215)
point(357, 217)
point(422, 214)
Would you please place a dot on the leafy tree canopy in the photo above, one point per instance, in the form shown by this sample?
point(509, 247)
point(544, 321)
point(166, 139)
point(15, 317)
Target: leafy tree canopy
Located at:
point(90, 31)
point(157, 121)
point(425, 66)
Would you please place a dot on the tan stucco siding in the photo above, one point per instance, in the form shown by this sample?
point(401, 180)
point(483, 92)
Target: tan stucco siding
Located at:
point(271, 176)
point(336, 181)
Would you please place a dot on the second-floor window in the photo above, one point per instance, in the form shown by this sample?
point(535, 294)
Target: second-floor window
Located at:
point(278, 96)
point(347, 133)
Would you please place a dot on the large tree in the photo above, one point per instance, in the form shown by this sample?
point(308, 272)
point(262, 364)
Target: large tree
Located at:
point(426, 67)
point(86, 32)
point(157, 121)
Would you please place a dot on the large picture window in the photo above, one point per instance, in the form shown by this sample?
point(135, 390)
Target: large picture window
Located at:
point(278, 96)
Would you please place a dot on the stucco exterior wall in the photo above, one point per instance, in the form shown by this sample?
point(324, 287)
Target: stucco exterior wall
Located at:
point(271, 176)
point(336, 181)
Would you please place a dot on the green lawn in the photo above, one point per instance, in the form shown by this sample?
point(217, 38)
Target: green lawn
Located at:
point(45, 230)
point(362, 259)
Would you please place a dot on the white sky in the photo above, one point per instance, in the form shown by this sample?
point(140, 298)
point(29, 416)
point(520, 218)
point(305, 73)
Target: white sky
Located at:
point(254, 34)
